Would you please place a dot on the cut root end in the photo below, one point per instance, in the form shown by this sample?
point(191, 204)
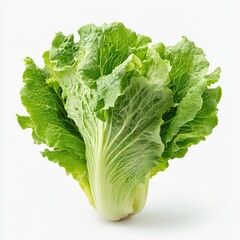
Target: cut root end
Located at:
point(124, 218)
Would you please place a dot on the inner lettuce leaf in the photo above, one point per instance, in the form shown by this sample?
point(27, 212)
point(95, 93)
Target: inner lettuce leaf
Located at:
point(113, 109)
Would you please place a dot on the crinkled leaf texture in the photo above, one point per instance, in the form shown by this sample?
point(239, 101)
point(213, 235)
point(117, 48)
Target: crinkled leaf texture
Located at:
point(113, 110)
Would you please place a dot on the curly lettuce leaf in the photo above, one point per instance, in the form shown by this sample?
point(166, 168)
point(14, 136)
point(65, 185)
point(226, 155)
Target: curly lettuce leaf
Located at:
point(51, 126)
point(194, 113)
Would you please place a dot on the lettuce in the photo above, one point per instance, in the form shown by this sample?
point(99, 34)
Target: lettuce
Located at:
point(113, 110)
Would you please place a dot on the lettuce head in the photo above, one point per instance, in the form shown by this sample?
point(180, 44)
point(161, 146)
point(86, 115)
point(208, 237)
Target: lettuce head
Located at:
point(114, 108)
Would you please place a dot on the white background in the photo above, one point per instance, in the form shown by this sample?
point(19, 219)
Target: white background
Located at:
point(196, 198)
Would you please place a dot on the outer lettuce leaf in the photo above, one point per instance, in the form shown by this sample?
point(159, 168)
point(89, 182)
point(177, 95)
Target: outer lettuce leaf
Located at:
point(196, 130)
point(132, 146)
point(194, 113)
point(50, 124)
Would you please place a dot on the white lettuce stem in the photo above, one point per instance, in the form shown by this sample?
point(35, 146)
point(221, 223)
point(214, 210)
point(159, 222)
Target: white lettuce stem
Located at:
point(112, 201)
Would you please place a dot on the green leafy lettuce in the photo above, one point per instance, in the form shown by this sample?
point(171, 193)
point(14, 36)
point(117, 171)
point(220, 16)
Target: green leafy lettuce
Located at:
point(113, 110)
